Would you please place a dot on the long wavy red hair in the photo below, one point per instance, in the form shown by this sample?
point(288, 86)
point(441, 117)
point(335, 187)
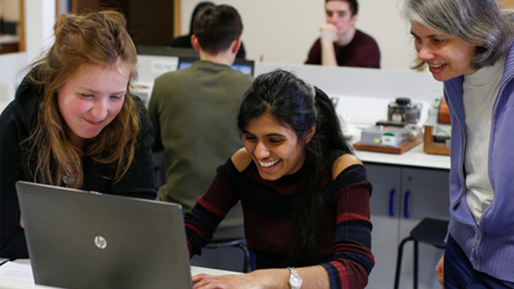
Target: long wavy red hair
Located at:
point(99, 39)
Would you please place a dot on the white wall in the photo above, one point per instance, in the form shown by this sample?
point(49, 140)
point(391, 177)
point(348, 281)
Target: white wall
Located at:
point(275, 31)
point(283, 31)
point(39, 26)
point(11, 75)
point(39, 23)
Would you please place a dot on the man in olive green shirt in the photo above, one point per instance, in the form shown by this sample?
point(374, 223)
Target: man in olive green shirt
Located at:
point(194, 112)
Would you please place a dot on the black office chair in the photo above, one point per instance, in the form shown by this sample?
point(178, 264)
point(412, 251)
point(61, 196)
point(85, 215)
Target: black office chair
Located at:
point(428, 231)
point(238, 243)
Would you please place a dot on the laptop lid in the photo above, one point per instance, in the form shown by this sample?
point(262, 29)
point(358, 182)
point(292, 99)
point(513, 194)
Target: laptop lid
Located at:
point(81, 239)
point(242, 65)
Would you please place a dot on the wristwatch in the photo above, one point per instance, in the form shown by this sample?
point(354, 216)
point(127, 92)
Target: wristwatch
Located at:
point(295, 281)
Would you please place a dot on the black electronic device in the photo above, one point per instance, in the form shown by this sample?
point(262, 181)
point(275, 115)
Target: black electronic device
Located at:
point(243, 65)
point(402, 112)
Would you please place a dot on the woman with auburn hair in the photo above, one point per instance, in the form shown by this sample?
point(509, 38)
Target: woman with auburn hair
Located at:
point(74, 122)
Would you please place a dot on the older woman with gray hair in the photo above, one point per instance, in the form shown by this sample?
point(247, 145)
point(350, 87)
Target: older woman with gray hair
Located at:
point(468, 44)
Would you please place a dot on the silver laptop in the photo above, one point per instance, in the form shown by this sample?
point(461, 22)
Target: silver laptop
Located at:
point(80, 239)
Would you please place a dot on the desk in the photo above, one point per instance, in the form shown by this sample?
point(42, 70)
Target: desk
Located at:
point(414, 157)
point(5, 284)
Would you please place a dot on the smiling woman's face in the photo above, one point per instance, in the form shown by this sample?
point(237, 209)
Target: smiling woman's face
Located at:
point(274, 148)
point(446, 56)
point(91, 99)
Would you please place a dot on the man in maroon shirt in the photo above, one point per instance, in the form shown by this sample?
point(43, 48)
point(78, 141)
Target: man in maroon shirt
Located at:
point(340, 44)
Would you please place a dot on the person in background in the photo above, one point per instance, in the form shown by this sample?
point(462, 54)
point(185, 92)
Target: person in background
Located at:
point(74, 122)
point(194, 109)
point(305, 195)
point(184, 41)
point(468, 45)
point(340, 44)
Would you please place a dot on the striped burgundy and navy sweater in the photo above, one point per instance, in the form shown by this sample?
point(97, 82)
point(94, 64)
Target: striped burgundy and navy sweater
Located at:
point(345, 238)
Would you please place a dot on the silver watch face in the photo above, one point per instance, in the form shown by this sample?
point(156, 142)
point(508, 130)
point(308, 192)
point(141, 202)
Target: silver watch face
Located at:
point(295, 281)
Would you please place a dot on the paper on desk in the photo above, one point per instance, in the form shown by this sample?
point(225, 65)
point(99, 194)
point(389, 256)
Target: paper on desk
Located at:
point(11, 271)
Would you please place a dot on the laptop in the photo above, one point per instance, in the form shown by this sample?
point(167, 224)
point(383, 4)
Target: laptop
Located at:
point(80, 239)
point(242, 65)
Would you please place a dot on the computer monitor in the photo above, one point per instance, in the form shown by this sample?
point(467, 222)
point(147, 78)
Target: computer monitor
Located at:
point(166, 51)
point(242, 65)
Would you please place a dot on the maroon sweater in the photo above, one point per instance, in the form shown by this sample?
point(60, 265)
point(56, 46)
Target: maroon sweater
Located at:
point(345, 238)
point(362, 51)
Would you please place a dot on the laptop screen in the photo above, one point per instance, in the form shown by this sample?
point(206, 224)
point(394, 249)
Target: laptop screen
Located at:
point(241, 65)
point(80, 239)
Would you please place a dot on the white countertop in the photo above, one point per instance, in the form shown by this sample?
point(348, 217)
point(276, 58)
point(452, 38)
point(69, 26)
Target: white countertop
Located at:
point(414, 157)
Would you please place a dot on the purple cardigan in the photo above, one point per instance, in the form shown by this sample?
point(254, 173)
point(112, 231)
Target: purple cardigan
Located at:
point(490, 246)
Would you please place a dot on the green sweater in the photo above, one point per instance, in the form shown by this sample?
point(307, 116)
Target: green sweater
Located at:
point(194, 113)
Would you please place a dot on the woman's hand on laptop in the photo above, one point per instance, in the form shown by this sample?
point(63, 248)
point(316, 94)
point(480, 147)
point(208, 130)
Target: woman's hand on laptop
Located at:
point(255, 279)
point(205, 281)
point(21, 222)
point(313, 277)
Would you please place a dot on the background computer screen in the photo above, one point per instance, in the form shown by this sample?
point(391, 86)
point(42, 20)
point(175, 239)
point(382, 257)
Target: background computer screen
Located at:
point(242, 65)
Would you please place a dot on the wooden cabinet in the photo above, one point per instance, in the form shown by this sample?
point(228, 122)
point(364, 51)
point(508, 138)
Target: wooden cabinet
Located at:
point(9, 48)
point(402, 196)
point(150, 22)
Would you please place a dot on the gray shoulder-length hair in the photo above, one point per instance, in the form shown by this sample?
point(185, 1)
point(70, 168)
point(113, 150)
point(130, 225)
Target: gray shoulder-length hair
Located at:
point(476, 22)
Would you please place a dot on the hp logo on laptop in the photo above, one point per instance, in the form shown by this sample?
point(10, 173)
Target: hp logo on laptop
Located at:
point(100, 242)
